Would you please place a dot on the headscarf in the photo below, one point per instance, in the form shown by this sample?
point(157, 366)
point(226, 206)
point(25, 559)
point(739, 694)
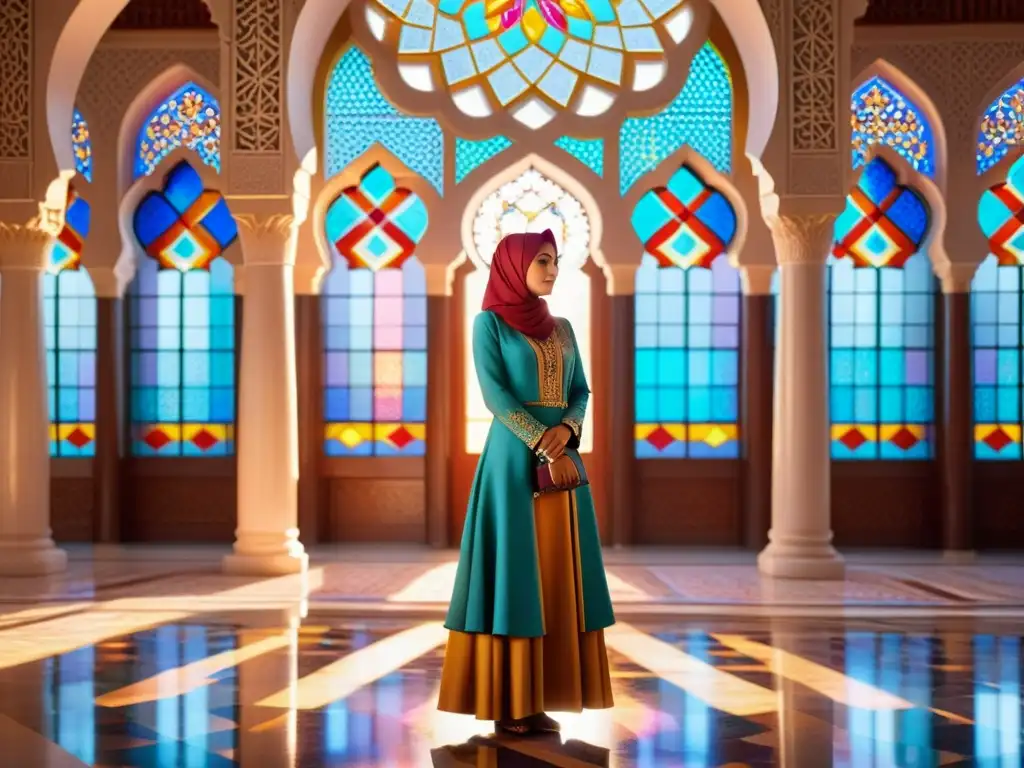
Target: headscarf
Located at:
point(507, 294)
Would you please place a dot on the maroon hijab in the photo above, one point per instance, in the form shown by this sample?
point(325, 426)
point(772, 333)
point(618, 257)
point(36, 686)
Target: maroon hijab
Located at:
point(507, 294)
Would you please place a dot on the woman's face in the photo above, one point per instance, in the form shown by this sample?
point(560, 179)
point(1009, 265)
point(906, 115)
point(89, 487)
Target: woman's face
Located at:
point(543, 272)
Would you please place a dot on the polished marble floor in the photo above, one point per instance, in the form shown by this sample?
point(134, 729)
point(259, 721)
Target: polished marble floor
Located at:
point(161, 686)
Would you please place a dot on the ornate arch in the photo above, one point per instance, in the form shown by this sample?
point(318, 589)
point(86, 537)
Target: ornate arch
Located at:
point(78, 40)
point(1001, 128)
point(186, 99)
point(887, 107)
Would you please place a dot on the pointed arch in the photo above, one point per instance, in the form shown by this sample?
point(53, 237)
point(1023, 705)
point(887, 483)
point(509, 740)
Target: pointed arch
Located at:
point(506, 204)
point(177, 109)
point(888, 108)
point(1001, 129)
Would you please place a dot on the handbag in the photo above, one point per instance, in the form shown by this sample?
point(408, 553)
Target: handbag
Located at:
point(546, 484)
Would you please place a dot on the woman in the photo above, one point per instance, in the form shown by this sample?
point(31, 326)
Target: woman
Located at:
point(530, 601)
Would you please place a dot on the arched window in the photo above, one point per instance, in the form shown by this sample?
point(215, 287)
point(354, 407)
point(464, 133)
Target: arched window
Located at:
point(687, 323)
point(357, 116)
point(881, 323)
point(81, 145)
point(1002, 127)
point(190, 118)
point(997, 308)
point(69, 308)
point(699, 117)
point(530, 203)
point(880, 114)
point(375, 321)
point(182, 320)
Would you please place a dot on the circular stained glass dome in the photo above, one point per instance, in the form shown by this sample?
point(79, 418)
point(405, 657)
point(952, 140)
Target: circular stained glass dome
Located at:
point(531, 58)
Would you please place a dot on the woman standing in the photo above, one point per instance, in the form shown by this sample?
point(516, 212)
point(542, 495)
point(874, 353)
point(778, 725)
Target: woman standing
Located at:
point(531, 601)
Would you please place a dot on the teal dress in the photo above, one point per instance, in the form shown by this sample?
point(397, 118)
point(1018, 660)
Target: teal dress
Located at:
point(529, 386)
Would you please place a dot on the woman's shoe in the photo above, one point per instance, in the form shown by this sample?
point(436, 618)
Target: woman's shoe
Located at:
point(544, 723)
point(513, 727)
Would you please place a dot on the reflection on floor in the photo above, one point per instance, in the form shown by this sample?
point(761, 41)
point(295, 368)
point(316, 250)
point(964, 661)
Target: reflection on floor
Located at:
point(223, 690)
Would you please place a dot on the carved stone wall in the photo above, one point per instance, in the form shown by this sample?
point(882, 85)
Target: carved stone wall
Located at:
point(15, 79)
point(258, 75)
point(813, 73)
point(954, 73)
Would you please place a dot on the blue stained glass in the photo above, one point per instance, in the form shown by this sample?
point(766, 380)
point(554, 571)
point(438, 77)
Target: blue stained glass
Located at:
point(590, 152)
point(375, 360)
point(69, 310)
point(470, 155)
point(687, 360)
point(882, 350)
point(997, 320)
point(699, 117)
point(881, 114)
point(183, 388)
point(190, 117)
point(81, 145)
point(1002, 127)
point(357, 116)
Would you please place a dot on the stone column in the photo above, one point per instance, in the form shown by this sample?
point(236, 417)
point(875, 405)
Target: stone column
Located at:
point(439, 335)
point(267, 536)
point(26, 541)
point(800, 539)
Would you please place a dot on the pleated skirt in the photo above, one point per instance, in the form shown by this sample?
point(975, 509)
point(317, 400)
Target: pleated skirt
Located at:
point(495, 677)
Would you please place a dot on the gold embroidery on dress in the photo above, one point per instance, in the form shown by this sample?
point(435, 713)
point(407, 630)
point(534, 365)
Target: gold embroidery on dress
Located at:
point(524, 426)
point(550, 365)
point(575, 425)
point(547, 404)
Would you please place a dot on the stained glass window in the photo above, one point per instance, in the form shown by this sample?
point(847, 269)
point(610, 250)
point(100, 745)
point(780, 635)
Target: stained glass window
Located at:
point(1002, 127)
point(81, 145)
point(190, 118)
point(534, 57)
point(997, 306)
point(375, 321)
point(687, 323)
point(881, 321)
point(880, 114)
point(699, 117)
point(470, 155)
point(182, 321)
point(590, 152)
point(69, 308)
point(530, 203)
point(358, 116)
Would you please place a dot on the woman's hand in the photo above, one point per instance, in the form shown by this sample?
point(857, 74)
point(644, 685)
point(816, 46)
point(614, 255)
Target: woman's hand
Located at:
point(564, 472)
point(552, 443)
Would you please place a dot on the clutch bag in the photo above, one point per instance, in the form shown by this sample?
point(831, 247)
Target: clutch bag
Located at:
point(546, 484)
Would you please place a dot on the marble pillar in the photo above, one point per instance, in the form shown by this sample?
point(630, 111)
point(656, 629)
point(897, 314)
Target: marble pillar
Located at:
point(26, 541)
point(267, 537)
point(800, 539)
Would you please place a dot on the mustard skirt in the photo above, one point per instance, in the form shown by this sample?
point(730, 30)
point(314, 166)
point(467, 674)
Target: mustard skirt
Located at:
point(496, 678)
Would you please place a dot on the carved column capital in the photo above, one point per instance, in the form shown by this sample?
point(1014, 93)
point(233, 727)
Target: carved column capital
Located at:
point(956, 278)
point(267, 239)
point(802, 239)
point(24, 246)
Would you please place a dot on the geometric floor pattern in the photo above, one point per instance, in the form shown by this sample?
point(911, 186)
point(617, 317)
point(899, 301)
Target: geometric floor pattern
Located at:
point(254, 688)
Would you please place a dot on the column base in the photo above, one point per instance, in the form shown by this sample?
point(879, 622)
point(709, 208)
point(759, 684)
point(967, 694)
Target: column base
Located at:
point(801, 561)
point(37, 558)
point(281, 561)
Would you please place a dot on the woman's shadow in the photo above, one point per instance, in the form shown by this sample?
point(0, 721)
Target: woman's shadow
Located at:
point(511, 752)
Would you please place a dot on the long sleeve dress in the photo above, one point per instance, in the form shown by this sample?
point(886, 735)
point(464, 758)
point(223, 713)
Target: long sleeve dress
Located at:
point(530, 601)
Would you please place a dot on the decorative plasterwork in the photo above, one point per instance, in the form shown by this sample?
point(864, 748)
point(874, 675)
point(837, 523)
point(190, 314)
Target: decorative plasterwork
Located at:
point(813, 74)
point(258, 76)
point(15, 79)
